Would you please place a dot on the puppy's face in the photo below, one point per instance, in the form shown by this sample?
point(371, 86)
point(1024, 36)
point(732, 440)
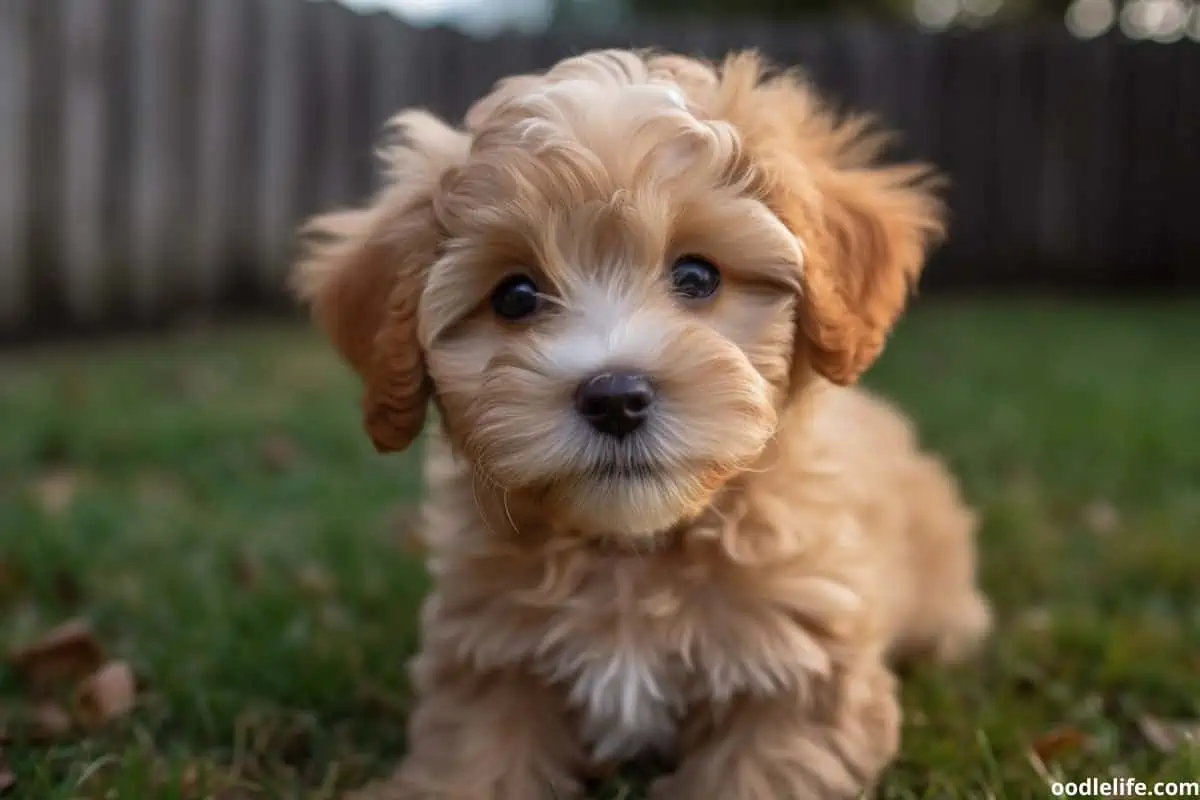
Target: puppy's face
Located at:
point(614, 280)
point(610, 325)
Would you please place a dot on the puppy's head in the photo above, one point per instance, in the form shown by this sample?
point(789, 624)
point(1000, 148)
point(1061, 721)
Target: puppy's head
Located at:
point(616, 277)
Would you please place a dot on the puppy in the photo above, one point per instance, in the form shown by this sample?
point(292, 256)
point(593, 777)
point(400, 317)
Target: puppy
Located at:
point(634, 288)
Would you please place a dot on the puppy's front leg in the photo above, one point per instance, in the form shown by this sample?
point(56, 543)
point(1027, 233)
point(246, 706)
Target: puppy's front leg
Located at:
point(828, 743)
point(494, 736)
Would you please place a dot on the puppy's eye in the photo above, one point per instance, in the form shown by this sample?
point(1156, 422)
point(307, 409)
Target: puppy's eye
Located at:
point(516, 298)
point(695, 278)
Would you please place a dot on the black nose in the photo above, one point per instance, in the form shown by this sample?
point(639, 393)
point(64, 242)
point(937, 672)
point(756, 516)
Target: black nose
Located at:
point(616, 403)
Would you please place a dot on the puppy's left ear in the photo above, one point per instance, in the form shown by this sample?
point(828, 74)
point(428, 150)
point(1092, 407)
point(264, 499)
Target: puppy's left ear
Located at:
point(866, 229)
point(874, 228)
point(365, 269)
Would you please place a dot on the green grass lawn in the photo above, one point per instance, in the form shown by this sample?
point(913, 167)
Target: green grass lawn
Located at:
point(208, 502)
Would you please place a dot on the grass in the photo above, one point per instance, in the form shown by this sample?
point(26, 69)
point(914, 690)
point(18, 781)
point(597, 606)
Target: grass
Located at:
point(208, 502)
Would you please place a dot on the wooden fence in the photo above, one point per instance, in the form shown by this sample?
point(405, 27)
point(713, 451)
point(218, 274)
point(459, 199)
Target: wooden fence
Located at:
point(156, 155)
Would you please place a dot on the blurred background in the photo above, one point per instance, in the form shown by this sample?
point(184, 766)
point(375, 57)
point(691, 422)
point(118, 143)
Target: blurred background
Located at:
point(183, 476)
point(156, 155)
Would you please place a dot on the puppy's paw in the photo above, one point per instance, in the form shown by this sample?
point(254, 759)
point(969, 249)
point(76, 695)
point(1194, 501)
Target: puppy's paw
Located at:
point(486, 736)
point(964, 630)
point(390, 788)
point(411, 782)
point(831, 743)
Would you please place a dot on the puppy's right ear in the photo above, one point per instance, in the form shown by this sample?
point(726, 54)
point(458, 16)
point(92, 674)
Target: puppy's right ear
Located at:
point(364, 269)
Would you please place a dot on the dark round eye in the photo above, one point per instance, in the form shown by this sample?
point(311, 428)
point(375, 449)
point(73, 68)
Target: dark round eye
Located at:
point(695, 278)
point(516, 298)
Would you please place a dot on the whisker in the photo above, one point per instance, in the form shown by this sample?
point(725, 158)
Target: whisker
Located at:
point(478, 476)
point(772, 440)
point(555, 301)
point(508, 512)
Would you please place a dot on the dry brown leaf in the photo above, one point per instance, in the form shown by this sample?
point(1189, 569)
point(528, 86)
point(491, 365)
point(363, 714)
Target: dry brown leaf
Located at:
point(66, 653)
point(1057, 743)
point(1036, 620)
point(56, 490)
point(246, 571)
point(189, 779)
point(48, 722)
point(12, 582)
point(159, 491)
point(407, 528)
point(279, 452)
point(333, 617)
point(1101, 517)
point(315, 581)
point(234, 793)
point(67, 589)
point(1169, 735)
point(199, 383)
point(106, 695)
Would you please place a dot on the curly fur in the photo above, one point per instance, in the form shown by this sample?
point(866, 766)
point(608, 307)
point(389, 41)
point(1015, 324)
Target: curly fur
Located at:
point(734, 605)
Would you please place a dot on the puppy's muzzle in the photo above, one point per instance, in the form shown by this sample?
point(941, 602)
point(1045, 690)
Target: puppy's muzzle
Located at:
point(615, 403)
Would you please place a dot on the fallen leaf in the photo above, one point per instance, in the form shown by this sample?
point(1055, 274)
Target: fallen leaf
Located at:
point(48, 722)
point(1169, 735)
point(189, 779)
point(315, 581)
point(407, 528)
point(158, 490)
point(296, 747)
point(279, 452)
point(7, 780)
point(67, 589)
point(1058, 743)
point(1101, 517)
point(66, 653)
point(56, 490)
point(246, 571)
point(12, 582)
point(332, 617)
point(199, 383)
point(107, 694)
point(232, 794)
point(1036, 620)
point(1028, 681)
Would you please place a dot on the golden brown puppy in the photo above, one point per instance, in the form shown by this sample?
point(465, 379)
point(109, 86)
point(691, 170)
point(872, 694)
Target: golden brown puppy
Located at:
point(634, 287)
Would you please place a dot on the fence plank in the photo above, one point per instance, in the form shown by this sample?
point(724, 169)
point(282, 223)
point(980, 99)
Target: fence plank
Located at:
point(1156, 77)
point(1070, 161)
point(84, 128)
point(159, 30)
point(44, 268)
point(1184, 143)
point(1020, 155)
point(398, 65)
point(16, 95)
point(334, 32)
point(451, 59)
point(279, 142)
point(225, 64)
point(364, 135)
point(118, 158)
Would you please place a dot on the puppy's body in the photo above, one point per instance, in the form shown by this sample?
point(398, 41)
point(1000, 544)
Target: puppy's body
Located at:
point(635, 288)
point(844, 545)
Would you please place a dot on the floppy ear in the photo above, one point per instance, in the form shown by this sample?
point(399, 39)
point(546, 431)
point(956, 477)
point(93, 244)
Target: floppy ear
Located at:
point(364, 270)
point(866, 229)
